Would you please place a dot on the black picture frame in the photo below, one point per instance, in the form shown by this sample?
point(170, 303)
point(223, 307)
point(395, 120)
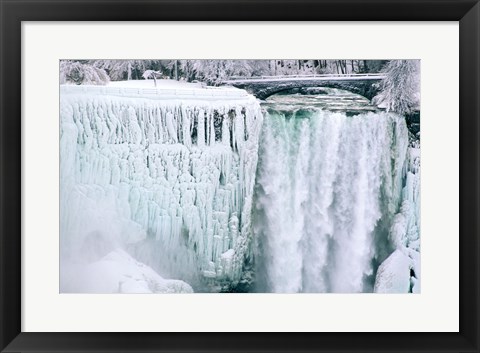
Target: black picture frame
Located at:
point(13, 12)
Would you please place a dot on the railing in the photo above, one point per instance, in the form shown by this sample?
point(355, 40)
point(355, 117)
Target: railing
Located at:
point(203, 92)
point(357, 76)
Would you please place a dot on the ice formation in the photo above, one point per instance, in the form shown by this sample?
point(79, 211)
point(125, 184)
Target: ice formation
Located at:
point(329, 186)
point(163, 183)
point(169, 181)
point(400, 272)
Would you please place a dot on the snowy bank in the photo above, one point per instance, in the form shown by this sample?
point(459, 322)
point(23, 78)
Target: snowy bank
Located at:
point(117, 272)
point(165, 89)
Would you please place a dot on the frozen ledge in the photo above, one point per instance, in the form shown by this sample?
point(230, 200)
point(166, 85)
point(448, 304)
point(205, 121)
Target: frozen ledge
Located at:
point(158, 92)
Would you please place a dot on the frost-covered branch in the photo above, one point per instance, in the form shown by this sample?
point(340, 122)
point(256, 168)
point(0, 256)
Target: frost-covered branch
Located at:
point(77, 72)
point(151, 74)
point(119, 70)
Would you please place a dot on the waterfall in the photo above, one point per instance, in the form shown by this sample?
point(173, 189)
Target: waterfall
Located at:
point(315, 193)
point(328, 189)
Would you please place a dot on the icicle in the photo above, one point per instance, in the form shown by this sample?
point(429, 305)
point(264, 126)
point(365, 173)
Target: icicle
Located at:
point(172, 190)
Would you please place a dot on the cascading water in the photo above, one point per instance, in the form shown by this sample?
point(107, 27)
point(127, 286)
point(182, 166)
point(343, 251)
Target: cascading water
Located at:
point(328, 188)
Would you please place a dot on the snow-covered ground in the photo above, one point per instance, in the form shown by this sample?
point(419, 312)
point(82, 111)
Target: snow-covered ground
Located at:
point(117, 272)
point(165, 89)
point(160, 84)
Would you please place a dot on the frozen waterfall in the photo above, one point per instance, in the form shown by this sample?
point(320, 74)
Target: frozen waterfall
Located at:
point(162, 193)
point(169, 181)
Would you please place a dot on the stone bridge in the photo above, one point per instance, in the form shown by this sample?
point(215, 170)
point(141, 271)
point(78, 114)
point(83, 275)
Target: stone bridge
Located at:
point(264, 86)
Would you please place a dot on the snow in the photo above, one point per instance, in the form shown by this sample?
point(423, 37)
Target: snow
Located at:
point(399, 273)
point(228, 255)
point(351, 77)
point(165, 90)
point(117, 272)
point(161, 83)
point(393, 275)
point(170, 181)
point(400, 88)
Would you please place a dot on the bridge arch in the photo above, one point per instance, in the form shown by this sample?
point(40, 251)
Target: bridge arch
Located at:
point(264, 94)
point(262, 88)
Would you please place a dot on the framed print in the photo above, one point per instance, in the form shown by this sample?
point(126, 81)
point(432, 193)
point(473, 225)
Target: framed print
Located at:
point(239, 176)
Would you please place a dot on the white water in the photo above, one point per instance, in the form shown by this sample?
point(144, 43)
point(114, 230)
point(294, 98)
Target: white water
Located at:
point(171, 181)
point(328, 188)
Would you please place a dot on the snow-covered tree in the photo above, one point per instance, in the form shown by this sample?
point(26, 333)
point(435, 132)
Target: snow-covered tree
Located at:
point(212, 72)
point(216, 71)
point(259, 67)
point(187, 69)
point(152, 74)
point(80, 72)
point(400, 90)
point(126, 69)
